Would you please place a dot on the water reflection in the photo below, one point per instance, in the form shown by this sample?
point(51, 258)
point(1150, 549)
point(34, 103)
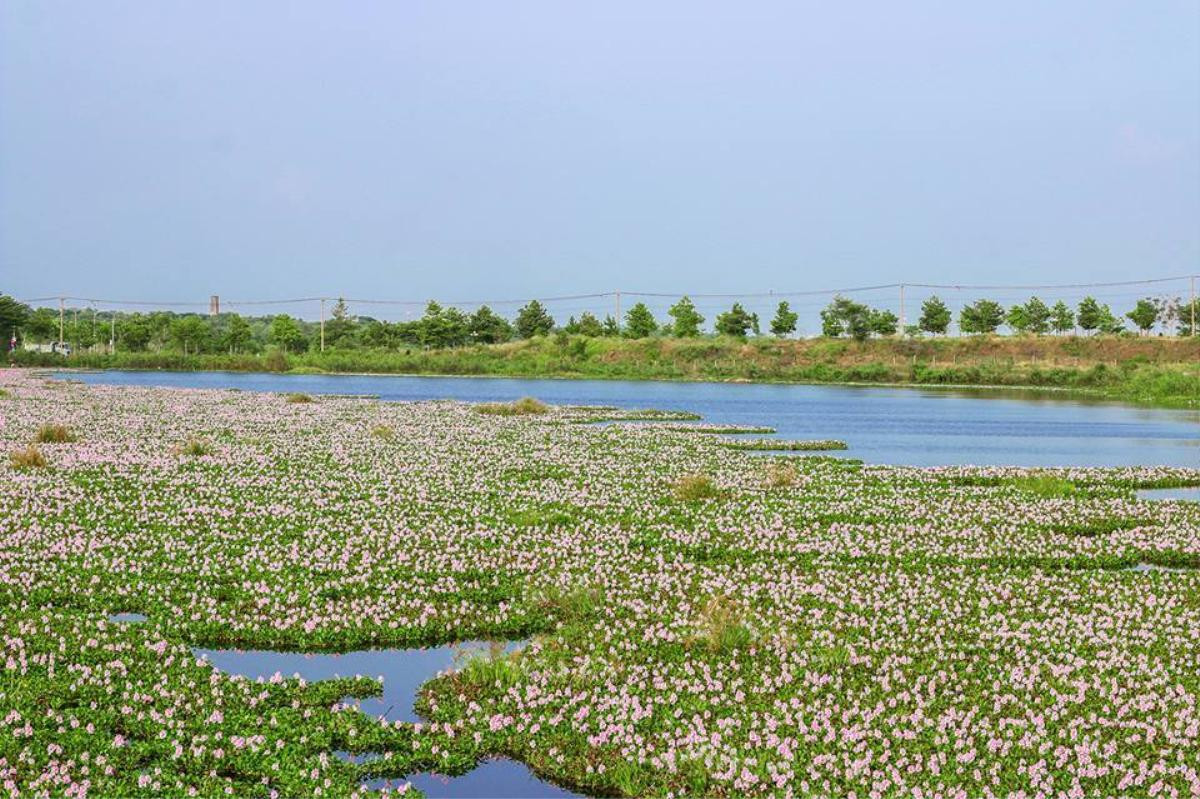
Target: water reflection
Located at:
point(1189, 494)
point(403, 670)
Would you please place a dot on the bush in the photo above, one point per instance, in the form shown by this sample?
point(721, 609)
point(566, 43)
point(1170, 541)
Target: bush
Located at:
point(54, 434)
point(693, 487)
point(298, 398)
point(525, 406)
point(27, 459)
point(781, 475)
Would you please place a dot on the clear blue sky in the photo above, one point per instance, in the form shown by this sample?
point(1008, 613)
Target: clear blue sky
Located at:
point(167, 150)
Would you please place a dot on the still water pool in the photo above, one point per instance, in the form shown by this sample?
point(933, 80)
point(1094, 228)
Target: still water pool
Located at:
point(910, 426)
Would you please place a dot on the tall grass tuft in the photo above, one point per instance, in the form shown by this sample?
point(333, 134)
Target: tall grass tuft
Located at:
point(526, 406)
point(692, 487)
point(27, 459)
point(781, 475)
point(297, 397)
point(54, 434)
point(195, 447)
point(383, 432)
point(1046, 486)
point(722, 626)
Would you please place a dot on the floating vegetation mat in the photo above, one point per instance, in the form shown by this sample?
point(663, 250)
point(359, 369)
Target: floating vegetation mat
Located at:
point(700, 621)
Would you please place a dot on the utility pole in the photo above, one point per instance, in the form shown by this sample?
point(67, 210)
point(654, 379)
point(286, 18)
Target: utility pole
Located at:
point(61, 307)
point(1193, 305)
point(902, 310)
point(112, 332)
point(322, 324)
point(618, 318)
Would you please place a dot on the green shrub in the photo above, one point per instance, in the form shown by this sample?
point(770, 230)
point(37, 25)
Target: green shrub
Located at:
point(721, 626)
point(526, 406)
point(195, 447)
point(383, 432)
point(298, 398)
point(54, 434)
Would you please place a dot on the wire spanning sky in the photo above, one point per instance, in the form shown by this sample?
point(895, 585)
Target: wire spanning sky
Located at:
point(172, 150)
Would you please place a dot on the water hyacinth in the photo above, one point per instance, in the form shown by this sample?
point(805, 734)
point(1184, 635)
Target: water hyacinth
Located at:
point(825, 627)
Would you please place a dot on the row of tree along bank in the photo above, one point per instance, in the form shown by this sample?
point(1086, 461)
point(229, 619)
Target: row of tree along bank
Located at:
point(1152, 370)
point(443, 327)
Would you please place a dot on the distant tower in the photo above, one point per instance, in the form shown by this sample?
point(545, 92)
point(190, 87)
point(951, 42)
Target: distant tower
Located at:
point(214, 305)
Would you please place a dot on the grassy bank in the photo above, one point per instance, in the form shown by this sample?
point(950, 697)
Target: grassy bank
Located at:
point(1145, 370)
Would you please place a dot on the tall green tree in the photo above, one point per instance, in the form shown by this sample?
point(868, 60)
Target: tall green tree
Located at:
point(287, 334)
point(1061, 318)
point(488, 327)
point(588, 325)
point(845, 317)
point(133, 332)
point(611, 328)
point(882, 322)
point(441, 327)
point(1094, 316)
point(687, 319)
point(534, 320)
point(1144, 315)
point(190, 333)
point(340, 327)
point(984, 316)
point(734, 322)
point(639, 322)
point(784, 323)
point(935, 316)
point(13, 316)
point(1037, 316)
point(238, 334)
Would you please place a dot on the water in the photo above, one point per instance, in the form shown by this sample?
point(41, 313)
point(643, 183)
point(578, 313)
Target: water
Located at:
point(127, 618)
point(403, 670)
point(499, 778)
point(1191, 494)
point(920, 427)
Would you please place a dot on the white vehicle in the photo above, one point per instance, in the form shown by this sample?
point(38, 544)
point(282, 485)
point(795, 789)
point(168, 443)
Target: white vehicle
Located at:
point(63, 349)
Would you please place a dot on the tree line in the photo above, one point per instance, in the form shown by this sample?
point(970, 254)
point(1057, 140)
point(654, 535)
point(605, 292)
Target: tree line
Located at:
point(446, 326)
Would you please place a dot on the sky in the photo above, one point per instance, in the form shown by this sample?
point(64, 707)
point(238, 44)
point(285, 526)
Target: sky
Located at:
point(166, 151)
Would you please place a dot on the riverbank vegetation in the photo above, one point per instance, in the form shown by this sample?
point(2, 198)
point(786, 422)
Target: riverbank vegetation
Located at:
point(700, 620)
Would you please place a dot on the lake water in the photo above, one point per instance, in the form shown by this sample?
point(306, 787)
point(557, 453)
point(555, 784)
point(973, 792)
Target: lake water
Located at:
point(912, 426)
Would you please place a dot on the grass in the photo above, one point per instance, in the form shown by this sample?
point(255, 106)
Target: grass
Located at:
point(54, 433)
point(780, 475)
point(783, 445)
point(27, 459)
point(383, 432)
point(195, 447)
point(721, 625)
point(298, 398)
point(526, 406)
point(695, 487)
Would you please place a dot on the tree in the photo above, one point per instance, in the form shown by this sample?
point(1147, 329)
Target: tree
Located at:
point(1037, 316)
point(754, 328)
point(13, 316)
point(238, 334)
point(611, 328)
point(442, 327)
point(534, 320)
point(488, 327)
point(588, 325)
point(935, 316)
point(339, 328)
point(734, 322)
point(882, 322)
point(844, 316)
point(1091, 316)
point(785, 320)
point(687, 319)
point(1061, 318)
point(982, 317)
point(286, 333)
point(190, 333)
point(134, 332)
point(639, 322)
point(1187, 312)
point(1144, 315)
point(1016, 319)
